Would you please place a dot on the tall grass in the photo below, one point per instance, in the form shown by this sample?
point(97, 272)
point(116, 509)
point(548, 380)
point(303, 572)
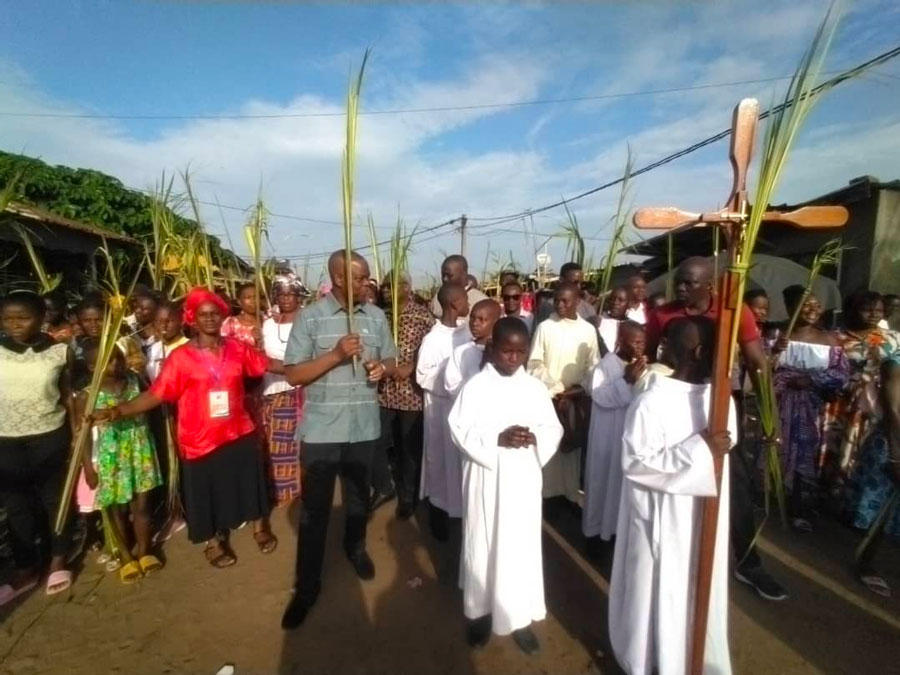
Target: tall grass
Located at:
point(575, 249)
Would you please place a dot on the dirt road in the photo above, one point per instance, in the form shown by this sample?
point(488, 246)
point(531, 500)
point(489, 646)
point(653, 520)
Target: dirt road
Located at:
point(192, 619)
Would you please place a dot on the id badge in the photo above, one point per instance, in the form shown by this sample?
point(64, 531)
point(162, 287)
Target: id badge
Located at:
point(218, 404)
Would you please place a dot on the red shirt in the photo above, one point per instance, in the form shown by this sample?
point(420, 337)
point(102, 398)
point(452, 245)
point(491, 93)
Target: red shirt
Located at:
point(187, 378)
point(659, 317)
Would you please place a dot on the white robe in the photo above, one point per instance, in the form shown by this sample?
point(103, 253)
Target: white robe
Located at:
point(441, 479)
point(563, 354)
point(610, 396)
point(463, 363)
point(609, 331)
point(667, 465)
point(502, 565)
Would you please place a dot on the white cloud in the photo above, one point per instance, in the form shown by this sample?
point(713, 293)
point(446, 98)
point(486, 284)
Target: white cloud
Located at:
point(298, 160)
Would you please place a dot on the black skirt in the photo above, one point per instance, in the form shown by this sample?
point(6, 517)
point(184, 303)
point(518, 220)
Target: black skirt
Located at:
point(224, 488)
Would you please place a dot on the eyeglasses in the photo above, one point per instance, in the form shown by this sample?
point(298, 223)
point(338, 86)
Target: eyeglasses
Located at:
point(512, 297)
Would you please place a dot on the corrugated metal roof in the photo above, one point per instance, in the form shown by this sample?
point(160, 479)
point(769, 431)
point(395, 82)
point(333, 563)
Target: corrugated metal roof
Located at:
point(39, 215)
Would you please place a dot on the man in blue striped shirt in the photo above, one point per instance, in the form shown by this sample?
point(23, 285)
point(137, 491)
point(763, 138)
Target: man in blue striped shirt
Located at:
point(339, 372)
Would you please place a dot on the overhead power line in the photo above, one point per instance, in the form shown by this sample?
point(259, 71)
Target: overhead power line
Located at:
point(828, 84)
point(393, 111)
point(501, 220)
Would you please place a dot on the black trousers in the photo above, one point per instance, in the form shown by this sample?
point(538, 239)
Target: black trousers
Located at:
point(322, 463)
point(401, 432)
point(32, 473)
point(743, 521)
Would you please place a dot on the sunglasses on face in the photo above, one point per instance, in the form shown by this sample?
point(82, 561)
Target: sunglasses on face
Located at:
point(512, 297)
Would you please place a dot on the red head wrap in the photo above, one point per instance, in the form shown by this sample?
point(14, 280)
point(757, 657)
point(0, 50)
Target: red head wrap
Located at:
point(199, 296)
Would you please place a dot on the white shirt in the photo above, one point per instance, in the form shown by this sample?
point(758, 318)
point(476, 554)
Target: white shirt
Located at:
point(275, 337)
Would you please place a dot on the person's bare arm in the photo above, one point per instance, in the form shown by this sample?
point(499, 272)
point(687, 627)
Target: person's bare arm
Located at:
point(276, 366)
point(65, 390)
point(140, 404)
point(755, 358)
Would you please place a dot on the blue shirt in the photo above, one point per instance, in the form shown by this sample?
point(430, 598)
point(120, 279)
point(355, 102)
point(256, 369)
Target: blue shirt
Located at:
point(341, 406)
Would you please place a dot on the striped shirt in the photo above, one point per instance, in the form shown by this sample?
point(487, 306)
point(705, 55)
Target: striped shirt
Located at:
point(341, 406)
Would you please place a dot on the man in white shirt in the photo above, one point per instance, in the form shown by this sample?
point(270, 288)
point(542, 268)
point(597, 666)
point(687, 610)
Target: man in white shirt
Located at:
point(441, 481)
point(564, 352)
point(455, 270)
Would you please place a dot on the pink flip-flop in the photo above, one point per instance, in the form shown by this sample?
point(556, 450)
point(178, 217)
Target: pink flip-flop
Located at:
point(8, 593)
point(60, 578)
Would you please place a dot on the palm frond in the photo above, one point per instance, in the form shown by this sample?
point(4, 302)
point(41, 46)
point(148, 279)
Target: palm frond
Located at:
point(348, 170)
point(373, 242)
point(46, 282)
point(620, 222)
point(828, 254)
point(781, 132)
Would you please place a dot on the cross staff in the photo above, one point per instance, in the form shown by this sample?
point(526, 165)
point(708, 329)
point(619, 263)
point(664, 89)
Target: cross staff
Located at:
point(732, 221)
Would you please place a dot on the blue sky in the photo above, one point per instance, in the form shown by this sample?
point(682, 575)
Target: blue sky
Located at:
point(113, 58)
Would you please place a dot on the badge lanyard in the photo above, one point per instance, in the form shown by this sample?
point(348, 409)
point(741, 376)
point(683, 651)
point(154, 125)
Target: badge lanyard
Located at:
point(218, 397)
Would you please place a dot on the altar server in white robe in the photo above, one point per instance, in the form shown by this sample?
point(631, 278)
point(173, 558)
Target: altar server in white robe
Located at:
point(466, 359)
point(441, 481)
point(563, 356)
point(504, 423)
point(612, 390)
point(668, 465)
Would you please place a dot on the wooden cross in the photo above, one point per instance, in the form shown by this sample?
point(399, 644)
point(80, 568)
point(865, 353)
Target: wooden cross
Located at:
point(732, 220)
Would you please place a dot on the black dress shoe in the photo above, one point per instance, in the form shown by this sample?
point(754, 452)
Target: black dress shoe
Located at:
point(527, 641)
point(295, 613)
point(438, 523)
point(377, 500)
point(478, 631)
point(405, 510)
point(362, 563)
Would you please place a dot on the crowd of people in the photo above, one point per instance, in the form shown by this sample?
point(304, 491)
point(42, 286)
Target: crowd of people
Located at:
point(213, 410)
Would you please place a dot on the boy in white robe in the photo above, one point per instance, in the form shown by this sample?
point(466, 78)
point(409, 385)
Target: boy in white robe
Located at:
point(612, 390)
point(504, 423)
point(466, 359)
point(563, 356)
point(441, 481)
point(668, 465)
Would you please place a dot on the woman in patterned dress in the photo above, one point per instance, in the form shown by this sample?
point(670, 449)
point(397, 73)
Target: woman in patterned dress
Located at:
point(810, 369)
point(865, 345)
point(874, 490)
point(245, 325)
point(282, 404)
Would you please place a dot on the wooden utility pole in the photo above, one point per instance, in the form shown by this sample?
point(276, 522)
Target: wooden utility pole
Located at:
point(462, 235)
point(732, 220)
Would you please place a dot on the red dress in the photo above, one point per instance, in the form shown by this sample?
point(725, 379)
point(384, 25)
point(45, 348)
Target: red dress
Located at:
point(190, 376)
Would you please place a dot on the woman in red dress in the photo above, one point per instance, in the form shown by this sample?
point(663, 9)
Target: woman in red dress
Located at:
point(223, 477)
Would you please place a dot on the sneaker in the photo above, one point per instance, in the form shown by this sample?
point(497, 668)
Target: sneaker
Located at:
point(762, 582)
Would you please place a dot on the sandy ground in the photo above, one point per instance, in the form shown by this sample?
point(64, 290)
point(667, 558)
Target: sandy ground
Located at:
point(192, 619)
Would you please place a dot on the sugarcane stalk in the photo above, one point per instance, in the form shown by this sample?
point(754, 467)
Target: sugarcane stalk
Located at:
point(348, 167)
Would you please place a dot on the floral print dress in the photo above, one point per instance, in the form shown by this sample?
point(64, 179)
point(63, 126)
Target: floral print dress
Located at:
point(124, 453)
